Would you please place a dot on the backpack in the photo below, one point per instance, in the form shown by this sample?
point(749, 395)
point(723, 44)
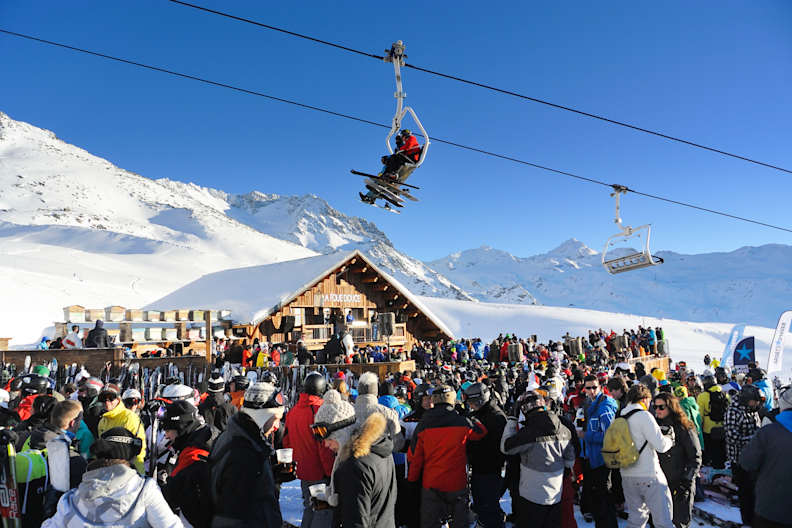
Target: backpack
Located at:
point(718, 404)
point(618, 448)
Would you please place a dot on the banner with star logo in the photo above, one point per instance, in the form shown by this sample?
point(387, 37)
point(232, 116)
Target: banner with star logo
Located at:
point(744, 353)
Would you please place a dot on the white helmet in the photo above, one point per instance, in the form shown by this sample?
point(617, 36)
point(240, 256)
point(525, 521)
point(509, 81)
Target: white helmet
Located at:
point(178, 391)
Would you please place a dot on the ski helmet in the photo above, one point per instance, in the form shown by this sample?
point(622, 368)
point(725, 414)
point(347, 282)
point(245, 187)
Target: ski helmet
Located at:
point(240, 383)
point(315, 384)
point(400, 392)
point(756, 374)
point(406, 132)
point(419, 392)
point(708, 381)
point(34, 384)
point(750, 392)
point(177, 392)
point(477, 393)
point(215, 384)
point(131, 397)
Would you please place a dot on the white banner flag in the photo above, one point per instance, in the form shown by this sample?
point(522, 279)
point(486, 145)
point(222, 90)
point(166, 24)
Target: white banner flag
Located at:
point(734, 338)
point(776, 355)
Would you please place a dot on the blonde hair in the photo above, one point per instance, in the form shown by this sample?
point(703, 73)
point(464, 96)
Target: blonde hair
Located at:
point(64, 412)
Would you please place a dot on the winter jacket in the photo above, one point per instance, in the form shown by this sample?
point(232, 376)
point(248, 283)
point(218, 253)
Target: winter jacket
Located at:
point(180, 490)
point(216, 410)
point(93, 410)
point(391, 402)
point(98, 337)
point(545, 448)
point(123, 417)
point(366, 405)
point(411, 148)
point(767, 455)
point(767, 392)
point(314, 460)
point(485, 456)
point(113, 497)
point(72, 340)
point(599, 415)
point(691, 409)
point(365, 478)
point(304, 356)
point(704, 408)
point(739, 426)
point(644, 430)
point(437, 456)
point(242, 483)
point(682, 462)
point(25, 407)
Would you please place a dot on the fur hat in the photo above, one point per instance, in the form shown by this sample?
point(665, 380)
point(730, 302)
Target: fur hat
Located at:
point(333, 410)
point(368, 383)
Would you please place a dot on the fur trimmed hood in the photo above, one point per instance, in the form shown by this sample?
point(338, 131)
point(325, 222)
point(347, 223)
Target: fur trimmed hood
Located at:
point(370, 437)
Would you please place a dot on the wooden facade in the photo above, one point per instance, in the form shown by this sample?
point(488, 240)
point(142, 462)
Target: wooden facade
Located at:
point(353, 286)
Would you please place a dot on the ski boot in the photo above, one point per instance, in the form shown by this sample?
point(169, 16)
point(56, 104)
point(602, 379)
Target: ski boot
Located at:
point(365, 198)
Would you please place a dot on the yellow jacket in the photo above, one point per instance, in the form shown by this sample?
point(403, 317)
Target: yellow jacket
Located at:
point(703, 401)
point(123, 417)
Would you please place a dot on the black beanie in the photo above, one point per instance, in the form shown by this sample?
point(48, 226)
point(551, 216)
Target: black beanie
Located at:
point(117, 443)
point(180, 416)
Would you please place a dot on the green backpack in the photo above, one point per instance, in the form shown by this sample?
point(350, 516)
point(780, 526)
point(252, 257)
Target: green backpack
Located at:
point(618, 448)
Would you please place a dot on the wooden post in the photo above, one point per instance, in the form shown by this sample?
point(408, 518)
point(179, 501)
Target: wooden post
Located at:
point(209, 337)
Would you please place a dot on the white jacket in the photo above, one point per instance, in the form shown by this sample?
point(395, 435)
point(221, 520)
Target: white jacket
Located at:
point(114, 497)
point(72, 340)
point(644, 428)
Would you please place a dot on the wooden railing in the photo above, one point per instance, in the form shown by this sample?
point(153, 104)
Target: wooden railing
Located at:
point(319, 334)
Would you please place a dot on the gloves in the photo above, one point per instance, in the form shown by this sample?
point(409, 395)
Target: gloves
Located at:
point(284, 472)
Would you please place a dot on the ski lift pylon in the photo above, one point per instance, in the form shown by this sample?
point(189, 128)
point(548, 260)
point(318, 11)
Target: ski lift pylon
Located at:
point(396, 56)
point(636, 259)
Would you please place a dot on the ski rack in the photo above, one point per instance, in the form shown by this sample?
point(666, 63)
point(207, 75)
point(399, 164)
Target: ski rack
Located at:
point(396, 56)
point(633, 261)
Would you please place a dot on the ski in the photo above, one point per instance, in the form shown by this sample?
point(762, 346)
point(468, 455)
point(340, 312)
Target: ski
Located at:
point(386, 180)
point(9, 500)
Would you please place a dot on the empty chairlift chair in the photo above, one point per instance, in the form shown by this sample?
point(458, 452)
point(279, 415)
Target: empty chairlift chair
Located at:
point(616, 261)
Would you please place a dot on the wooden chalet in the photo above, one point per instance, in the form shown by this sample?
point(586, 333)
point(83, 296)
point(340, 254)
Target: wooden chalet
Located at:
point(311, 294)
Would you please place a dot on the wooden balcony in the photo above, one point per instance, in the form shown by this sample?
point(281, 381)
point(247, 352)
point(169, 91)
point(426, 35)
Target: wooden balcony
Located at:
point(315, 336)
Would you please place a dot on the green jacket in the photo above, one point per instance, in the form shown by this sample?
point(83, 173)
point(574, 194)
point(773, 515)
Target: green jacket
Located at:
point(691, 409)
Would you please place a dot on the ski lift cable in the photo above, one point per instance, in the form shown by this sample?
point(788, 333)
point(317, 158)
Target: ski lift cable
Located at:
point(382, 125)
point(486, 86)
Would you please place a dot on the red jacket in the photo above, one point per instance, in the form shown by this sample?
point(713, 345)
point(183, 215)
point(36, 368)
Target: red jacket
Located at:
point(25, 408)
point(411, 148)
point(314, 461)
point(437, 456)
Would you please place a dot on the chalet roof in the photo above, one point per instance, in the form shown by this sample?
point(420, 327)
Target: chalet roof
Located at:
point(255, 292)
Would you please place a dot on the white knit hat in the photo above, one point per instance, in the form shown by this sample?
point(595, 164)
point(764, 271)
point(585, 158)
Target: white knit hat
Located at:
point(368, 383)
point(333, 411)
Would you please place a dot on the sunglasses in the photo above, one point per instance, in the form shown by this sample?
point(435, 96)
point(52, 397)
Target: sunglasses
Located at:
point(591, 387)
point(660, 407)
point(130, 402)
point(106, 397)
point(321, 430)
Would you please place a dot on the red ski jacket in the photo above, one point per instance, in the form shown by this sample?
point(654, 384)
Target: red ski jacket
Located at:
point(314, 461)
point(25, 408)
point(411, 148)
point(437, 455)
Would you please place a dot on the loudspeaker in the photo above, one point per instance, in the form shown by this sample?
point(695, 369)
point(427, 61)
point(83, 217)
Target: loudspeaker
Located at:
point(386, 322)
point(287, 324)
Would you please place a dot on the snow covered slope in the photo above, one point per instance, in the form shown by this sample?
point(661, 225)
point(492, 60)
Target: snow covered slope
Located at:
point(74, 228)
point(751, 284)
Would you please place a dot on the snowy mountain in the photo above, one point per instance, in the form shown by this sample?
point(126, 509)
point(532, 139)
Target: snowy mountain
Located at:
point(74, 228)
point(751, 284)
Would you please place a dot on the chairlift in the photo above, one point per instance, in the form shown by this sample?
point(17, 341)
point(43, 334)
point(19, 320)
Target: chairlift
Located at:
point(635, 259)
point(396, 56)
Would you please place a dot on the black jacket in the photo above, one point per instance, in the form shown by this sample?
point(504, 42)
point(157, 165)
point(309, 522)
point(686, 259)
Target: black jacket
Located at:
point(93, 410)
point(484, 456)
point(682, 462)
point(184, 490)
point(304, 356)
point(242, 483)
point(366, 481)
point(98, 338)
point(216, 411)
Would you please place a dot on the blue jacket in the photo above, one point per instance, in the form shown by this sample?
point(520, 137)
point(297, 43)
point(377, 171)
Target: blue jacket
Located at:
point(599, 415)
point(763, 386)
point(392, 403)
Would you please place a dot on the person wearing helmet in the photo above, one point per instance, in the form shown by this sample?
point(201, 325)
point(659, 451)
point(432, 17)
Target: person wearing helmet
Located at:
point(314, 460)
point(242, 482)
point(133, 400)
point(485, 457)
point(408, 150)
point(111, 492)
point(31, 388)
point(215, 410)
point(117, 415)
point(191, 440)
point(178, 392)
point(87, 392)
point(237, 388)
point(756, 376)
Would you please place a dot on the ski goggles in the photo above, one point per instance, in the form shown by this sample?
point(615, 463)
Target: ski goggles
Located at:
point(276, 400)
point(321, 430)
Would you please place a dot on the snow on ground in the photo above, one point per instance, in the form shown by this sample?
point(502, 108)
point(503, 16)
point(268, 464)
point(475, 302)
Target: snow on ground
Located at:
point(688, 341)
point(291, 508)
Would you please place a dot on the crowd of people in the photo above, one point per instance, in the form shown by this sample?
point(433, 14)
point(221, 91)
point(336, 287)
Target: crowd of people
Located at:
point(579, 422)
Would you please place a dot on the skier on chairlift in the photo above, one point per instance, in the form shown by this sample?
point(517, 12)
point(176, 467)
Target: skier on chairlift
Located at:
point(408, 150)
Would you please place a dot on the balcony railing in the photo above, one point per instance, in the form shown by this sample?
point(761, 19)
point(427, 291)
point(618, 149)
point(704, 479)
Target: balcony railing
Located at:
point(360, 334)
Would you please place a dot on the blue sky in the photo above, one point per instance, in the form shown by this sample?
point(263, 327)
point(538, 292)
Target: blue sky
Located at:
point(715, 72)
